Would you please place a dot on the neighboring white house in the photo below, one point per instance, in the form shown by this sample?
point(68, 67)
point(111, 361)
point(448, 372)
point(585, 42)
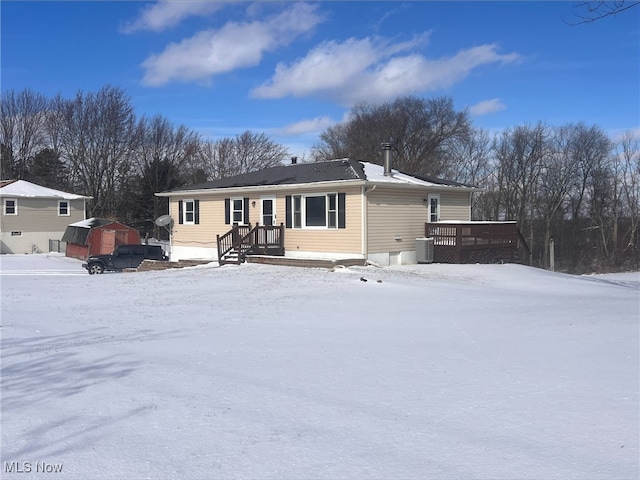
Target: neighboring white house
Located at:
point(33, 215)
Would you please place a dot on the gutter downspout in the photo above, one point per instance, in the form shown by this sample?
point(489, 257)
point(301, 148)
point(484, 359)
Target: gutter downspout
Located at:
point(365, 224)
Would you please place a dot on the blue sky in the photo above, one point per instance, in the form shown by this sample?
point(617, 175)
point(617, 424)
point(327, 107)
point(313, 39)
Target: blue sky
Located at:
point(290, 69)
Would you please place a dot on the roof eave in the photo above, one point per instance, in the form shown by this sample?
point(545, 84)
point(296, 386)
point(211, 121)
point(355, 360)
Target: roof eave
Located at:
point(51, 197)
point(251, 188)
point(442, 187)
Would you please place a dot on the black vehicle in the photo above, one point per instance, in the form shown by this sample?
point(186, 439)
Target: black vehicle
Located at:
point(124, 256)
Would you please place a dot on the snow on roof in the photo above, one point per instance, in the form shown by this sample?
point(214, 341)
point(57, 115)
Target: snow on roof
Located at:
point(22, 188)
point(83, 223)
point(91, 222)
point(375, 173)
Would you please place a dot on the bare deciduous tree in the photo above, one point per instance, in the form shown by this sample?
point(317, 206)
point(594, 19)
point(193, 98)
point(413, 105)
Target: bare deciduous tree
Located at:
point(161, 162)
point(20, 130)
point(99, 137)
point(630, 159)
point(246, 152)
point(424, 132)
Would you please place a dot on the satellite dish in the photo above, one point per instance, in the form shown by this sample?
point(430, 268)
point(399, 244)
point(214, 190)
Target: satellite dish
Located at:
point(163, 221)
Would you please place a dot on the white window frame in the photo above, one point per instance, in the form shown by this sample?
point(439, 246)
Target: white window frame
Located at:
point(436, 197)
point(185, 211)
point(232, 210)
point(303, 211)
point(15, 206)
point(68, 208)
point(296, 213)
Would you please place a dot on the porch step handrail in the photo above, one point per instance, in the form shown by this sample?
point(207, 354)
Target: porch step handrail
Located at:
point(243, 239)
point(229, 241)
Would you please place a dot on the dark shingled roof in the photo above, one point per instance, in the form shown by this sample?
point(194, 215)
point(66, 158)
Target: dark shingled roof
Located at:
point(335, 170)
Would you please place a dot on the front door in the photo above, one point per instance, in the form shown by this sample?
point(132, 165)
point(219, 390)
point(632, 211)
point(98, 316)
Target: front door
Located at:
point(434, 208)
point(268, 219)
point(268, 211)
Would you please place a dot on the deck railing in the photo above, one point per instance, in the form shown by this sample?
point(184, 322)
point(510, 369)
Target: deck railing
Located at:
point(476, 242)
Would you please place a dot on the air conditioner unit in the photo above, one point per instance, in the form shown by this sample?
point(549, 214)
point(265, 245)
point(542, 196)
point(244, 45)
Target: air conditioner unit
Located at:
point(424, 250)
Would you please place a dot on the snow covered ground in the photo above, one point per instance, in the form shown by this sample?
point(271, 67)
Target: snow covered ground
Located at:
point(257, 371)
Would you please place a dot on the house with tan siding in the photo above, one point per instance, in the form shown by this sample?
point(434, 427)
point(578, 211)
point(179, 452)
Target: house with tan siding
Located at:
point(34, 217)
point(328, 210)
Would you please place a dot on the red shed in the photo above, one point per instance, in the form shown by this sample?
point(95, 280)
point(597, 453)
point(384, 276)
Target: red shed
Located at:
point(96, 236)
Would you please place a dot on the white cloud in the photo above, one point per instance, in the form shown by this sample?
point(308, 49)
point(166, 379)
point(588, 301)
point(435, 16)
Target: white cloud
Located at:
point(168, 13)
point(374, 69)
point(313, 125)
point(331, 67)
point(236, 45)
point(487, 106)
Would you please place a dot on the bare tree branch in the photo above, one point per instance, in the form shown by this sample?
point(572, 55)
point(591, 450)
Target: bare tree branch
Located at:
point(588, 12)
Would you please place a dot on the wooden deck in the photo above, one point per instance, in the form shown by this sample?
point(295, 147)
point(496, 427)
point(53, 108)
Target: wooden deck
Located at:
point(477, 242)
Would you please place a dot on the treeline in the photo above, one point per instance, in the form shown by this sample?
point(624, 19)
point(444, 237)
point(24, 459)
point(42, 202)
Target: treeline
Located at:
point(569, 184)
point(95, 144)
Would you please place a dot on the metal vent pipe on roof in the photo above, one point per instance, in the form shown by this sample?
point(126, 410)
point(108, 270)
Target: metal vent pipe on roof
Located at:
point(387, 148)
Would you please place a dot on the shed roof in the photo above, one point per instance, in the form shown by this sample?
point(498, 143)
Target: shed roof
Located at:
point(24, 189)
point(79, 231)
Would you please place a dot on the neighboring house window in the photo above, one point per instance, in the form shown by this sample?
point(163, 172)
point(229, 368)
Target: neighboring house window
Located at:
point(63, 208)
point(189, 212)
point(236, 211)
point(316, 211)
point(10, 206)
point(434, 208)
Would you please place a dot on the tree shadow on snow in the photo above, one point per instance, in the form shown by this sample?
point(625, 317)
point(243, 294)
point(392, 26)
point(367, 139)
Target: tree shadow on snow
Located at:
point(68, 434)
point(37, 369)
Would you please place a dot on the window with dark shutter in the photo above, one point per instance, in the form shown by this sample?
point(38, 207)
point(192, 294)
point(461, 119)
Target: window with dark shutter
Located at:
point(238, 211)
point(297, 211)
point(227, 211)
point(187, 211)
point(196, 212)
point(316, 211)
point(246, 211)
point(341, 210)
point(287, 202)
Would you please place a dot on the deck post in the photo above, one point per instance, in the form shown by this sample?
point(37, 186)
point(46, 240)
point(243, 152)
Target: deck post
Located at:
point(281, 238)
point(458, 244)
